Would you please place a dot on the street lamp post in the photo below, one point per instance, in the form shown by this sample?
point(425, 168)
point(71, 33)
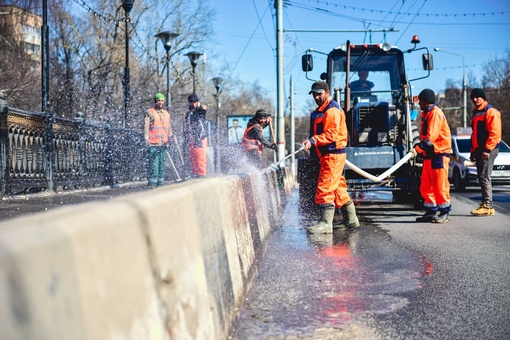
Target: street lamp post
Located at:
point(193, 58)
point(48, 116)
point(127, 5)
point(217, 84)
point(167, 38)
point(464, 86)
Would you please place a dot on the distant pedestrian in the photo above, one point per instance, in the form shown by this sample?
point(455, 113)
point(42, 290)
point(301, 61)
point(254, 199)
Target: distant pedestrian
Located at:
point(253, 138)
point(195, 136)
point(485, 139)
point(157, 133)
point(435, 146)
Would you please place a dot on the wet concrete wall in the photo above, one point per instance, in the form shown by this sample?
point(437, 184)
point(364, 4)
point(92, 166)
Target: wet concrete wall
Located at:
point(170, 263)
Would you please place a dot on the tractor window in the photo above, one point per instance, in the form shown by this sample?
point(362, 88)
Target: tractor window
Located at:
point(373, 77)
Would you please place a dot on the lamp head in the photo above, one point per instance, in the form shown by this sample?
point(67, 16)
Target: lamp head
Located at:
point(193, 57)
point(167, 38)
point(217, 82)
point(127, 5)
point(437, 49)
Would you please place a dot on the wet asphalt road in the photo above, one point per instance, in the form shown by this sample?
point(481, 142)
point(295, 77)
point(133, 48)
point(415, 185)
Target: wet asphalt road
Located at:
point(392, 279)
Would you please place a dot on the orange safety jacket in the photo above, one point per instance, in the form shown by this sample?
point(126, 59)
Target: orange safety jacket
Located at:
point(435, 136)
point(251, 144)
point(159, 129)
point(486, 125)
point(328, 129)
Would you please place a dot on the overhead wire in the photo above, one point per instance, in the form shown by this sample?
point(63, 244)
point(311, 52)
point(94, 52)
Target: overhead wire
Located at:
point(247, 43)
point(371, 10)
point(409, 25)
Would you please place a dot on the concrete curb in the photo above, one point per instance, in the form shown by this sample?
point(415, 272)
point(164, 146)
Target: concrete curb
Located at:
point(170, 263)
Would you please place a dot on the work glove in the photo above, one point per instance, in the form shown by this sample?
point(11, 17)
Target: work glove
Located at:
point(414, 152)
point(273, 147)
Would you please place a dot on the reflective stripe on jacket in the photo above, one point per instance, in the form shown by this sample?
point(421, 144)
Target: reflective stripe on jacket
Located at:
point(251, 144)
point(486, 125)
point(159, 126)
point(435, 136)
point(328, 129)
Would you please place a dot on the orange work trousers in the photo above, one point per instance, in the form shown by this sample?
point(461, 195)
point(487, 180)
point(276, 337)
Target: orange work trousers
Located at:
point(331, 187)
point(198, 158)
point(435, 187)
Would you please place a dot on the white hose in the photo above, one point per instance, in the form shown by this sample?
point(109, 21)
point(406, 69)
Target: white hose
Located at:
point(361, 172)
point(384, 174)
point(276, 165)
point(395, 166)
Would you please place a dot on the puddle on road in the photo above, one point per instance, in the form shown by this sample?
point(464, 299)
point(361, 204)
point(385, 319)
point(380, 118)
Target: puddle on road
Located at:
point(317, 286)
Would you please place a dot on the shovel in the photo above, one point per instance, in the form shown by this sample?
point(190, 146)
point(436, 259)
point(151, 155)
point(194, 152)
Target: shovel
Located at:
point(173, 166)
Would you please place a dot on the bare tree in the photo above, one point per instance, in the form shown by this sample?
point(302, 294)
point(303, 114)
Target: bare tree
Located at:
point(496, 83)
point(87, 61)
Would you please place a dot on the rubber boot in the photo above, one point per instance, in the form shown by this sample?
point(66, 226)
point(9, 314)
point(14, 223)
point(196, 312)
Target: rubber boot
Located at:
point(325, 225)
point(338, 223)
point(349, 212)
point(428, 216)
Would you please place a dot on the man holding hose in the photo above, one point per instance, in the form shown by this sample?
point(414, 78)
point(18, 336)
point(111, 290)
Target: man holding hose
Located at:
point(328, 139)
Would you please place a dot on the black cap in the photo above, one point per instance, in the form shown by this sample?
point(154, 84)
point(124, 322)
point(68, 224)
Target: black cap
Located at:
point(261, 113)
point(319, 87)
point(477, 93)
point(193, 98)
point(428, 96)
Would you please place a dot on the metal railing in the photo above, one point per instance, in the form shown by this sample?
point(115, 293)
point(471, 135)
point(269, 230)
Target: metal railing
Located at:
point(83, 153)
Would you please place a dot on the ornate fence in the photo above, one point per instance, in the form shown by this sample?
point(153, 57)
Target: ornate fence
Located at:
point(82, 153)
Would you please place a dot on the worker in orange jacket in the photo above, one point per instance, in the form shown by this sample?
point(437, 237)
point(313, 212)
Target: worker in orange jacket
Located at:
point(328, 139)
point(435, 146)
point(157, 133)
point(253, 139)
point(485, 139)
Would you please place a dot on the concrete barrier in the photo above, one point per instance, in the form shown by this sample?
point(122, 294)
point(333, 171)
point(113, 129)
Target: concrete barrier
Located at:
point(171, 263)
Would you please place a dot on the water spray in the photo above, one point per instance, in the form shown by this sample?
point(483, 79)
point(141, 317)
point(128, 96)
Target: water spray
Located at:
point(276, 165)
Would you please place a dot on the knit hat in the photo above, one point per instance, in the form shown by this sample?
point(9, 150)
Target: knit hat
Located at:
point(261, 113)
point(158, 96)
point(193, 98)
point(428, 96)
point(477, 93)
point(319, 87)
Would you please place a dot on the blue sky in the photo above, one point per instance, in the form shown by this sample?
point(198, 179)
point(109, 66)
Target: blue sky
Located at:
point(477, 30)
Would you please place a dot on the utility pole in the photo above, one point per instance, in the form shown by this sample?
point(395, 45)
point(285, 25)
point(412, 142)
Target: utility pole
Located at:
point(292, 130)
point(279, 80)
point(48, 116)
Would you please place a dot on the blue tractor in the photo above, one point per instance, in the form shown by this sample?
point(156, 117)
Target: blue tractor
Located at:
point(380, 119)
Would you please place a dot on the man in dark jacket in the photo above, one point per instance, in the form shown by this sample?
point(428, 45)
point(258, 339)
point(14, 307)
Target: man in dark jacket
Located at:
point(195, 136)
point(254, 140)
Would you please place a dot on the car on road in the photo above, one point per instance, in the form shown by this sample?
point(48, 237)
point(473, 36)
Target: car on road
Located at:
point(462, 171)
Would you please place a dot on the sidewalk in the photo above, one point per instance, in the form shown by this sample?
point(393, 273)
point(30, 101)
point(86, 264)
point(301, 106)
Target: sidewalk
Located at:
point(18, 205)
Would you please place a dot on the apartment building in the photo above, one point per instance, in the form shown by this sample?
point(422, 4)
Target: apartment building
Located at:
point(25, 27)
